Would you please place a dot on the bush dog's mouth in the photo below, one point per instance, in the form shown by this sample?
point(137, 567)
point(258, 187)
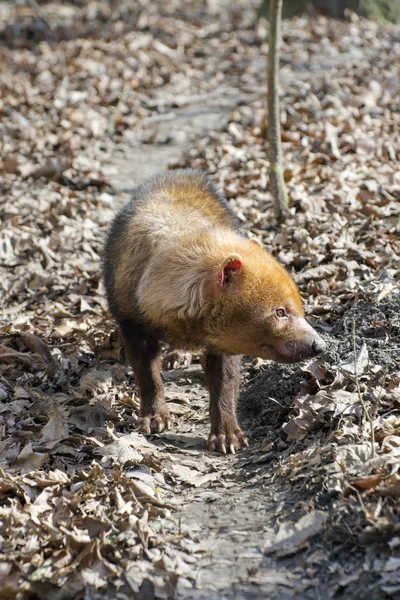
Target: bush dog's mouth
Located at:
point(302, 353)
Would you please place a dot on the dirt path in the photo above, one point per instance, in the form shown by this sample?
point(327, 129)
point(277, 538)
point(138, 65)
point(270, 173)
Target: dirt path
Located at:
point(225, 523)
point(132, 164)
point(231, 520)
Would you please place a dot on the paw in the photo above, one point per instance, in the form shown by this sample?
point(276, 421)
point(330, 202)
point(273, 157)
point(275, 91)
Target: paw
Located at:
point(177, 359)
point(229, 442)
point(154, 423)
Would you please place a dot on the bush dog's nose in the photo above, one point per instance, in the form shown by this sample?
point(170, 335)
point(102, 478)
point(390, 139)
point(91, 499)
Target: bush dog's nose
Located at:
point(318, 346)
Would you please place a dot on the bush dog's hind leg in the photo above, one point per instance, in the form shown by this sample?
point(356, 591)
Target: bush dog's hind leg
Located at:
point(144, 355)
point(177, 359)
point(222, 376)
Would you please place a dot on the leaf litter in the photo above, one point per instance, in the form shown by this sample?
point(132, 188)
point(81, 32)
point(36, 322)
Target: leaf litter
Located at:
point(88, 505)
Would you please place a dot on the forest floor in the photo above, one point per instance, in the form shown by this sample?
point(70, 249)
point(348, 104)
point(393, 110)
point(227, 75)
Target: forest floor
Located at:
point(96, 97)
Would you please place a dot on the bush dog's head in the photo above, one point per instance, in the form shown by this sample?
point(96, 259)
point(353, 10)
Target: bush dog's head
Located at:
point(237, 297)
point(257, 309)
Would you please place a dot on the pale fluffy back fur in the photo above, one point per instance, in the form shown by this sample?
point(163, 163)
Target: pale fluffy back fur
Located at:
point(184, 260)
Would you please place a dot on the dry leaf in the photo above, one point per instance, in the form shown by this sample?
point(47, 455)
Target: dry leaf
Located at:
point(28, 460)
point(292, 538)
point(56, 427)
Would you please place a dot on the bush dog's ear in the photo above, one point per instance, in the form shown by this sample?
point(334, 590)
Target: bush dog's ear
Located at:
point(257, 242)
point(231, 265)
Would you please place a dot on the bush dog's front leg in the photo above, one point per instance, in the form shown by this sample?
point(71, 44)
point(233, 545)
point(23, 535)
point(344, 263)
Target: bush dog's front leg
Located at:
point(222, 376)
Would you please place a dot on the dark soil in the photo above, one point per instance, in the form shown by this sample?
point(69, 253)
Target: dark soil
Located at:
point(378, 325)
point(268, 395)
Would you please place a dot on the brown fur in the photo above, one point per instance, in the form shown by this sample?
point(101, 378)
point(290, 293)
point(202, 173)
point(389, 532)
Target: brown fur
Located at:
point(177, 269)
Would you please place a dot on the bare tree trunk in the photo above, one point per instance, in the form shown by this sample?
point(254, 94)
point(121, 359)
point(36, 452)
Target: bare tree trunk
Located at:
point(276, 180)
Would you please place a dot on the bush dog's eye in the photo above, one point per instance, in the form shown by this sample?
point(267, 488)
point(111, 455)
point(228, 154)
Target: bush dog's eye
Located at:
point(280, 313)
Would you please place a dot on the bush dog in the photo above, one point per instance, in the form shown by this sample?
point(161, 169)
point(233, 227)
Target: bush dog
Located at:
point(177, 269)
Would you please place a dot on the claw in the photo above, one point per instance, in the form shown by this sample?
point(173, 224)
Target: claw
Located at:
point(227, 442)
point(154, 423)
point(177, 359)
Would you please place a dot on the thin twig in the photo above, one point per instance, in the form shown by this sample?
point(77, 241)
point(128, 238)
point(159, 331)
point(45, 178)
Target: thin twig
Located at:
point(364, 407)
point(355, 490)
point(276, 179)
